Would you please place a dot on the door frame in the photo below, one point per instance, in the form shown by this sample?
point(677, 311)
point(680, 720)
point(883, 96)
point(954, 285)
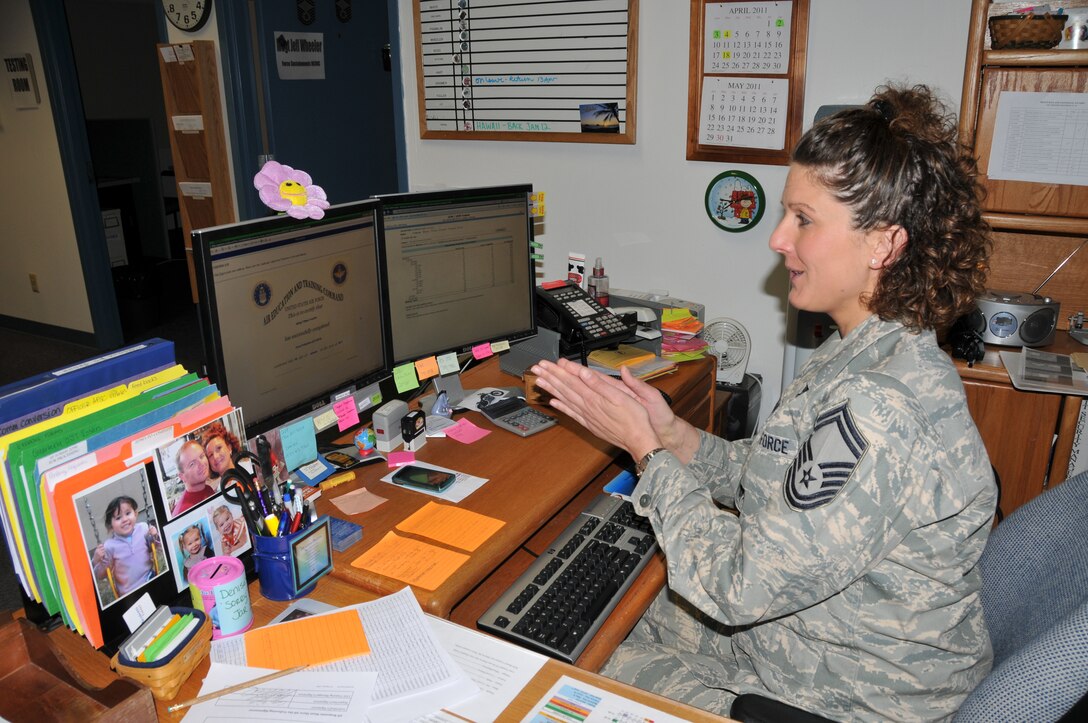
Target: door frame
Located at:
point(59, 70)
point(247, 137)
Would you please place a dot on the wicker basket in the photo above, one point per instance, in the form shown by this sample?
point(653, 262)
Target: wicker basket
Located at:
point(165, 678)
point(1020, 32)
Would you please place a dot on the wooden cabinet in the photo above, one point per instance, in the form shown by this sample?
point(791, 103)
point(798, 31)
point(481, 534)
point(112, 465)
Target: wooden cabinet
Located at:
point(1039, 246)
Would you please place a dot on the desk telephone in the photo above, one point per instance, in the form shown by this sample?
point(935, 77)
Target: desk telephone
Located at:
point(582, 323)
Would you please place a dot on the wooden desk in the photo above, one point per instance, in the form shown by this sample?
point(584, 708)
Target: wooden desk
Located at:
point(536, 485)
point(93, 667)
point(1028, 435)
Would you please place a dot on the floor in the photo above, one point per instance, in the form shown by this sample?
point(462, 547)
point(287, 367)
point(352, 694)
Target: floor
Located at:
point(25, 355)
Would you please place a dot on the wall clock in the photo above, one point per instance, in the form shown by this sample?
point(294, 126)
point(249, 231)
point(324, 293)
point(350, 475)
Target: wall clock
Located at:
point(735, 201)
point(187, 15)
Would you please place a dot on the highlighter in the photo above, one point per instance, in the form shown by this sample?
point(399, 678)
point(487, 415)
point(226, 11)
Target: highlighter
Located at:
point(272, 524)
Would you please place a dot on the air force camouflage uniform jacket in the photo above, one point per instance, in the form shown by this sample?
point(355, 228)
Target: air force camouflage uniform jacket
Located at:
point(847, 584)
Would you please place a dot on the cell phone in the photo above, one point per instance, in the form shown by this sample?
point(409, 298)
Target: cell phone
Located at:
point(342, 460)
point(432, 480)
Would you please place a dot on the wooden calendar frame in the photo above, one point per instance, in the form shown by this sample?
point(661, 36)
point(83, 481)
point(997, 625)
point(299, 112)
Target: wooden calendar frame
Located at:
point(698, 149)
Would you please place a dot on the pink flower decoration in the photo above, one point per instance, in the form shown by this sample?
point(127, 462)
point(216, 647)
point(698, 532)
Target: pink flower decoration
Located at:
point(290, 191)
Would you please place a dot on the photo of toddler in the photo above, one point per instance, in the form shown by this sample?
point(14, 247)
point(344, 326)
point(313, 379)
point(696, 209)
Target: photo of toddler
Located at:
point(233, 535)
point(127, 559)
point(193, 543)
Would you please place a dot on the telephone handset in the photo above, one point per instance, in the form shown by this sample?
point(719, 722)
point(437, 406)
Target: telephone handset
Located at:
point(582, 323)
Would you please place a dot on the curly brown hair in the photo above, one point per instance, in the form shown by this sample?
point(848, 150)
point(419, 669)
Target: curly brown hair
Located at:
point(897, 161)
point(218, 429)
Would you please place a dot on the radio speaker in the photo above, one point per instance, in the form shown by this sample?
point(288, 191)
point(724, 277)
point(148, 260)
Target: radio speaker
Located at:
point(1015, 318)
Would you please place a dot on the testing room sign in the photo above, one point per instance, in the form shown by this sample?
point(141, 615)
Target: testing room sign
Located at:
point(300, 56)
point(21, 82)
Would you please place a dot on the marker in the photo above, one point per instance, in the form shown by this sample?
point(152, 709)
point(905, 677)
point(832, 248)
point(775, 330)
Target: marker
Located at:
point(296, 522)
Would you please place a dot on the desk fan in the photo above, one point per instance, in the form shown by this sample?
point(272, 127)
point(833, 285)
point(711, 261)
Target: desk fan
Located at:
point(728, 341)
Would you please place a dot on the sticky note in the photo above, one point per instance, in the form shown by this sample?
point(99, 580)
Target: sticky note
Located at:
point(325, 420)
point(426, 368)
point(466, 432)
point(404, 377)
point(347, 415)
point(447, 364)
point(299, 443)
point(497, 346)
point(399, 459)
point(481, 351)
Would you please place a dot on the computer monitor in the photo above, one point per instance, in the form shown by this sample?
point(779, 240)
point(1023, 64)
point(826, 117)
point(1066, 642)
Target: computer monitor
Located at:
point(459, 270)
point(293, 311)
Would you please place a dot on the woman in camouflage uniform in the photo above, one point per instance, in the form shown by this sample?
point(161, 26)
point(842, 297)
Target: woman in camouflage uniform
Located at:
point(830, 561)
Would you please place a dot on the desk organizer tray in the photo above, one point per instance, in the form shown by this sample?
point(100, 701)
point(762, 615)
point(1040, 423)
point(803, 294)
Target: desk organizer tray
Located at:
point(38, 685)
point(166, 677)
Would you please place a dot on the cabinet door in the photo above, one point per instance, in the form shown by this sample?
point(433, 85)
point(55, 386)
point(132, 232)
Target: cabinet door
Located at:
point(1018, 430)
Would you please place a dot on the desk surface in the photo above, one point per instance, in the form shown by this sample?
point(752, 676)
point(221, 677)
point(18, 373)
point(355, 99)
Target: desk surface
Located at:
point(530, 480)
point(93, 667)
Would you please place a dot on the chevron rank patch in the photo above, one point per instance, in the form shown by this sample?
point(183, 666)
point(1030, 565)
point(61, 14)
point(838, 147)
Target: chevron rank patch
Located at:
point(825, 461)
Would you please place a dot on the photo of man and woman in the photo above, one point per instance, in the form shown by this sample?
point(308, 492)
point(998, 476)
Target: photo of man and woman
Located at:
point(191, 467)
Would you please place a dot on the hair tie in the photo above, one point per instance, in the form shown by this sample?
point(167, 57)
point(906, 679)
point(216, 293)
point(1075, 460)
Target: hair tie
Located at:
point(885, 109)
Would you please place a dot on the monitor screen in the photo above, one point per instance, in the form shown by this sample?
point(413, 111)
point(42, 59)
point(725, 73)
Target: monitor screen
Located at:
point(292, 311)
point(459, 269)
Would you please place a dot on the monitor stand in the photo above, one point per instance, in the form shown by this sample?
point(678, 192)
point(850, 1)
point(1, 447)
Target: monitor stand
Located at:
point(455, 392)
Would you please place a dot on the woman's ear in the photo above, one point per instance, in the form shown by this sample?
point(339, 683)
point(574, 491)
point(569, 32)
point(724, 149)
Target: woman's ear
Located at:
point(889, 245)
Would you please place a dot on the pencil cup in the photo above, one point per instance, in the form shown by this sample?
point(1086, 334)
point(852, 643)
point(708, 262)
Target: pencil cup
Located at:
point(289, 567)
point(218, 587)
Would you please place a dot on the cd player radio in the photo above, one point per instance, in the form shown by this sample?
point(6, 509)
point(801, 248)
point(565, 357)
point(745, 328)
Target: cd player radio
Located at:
point(1015, 318)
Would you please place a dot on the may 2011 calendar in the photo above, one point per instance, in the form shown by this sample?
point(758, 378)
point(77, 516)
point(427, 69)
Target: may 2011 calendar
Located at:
point(747, 37)
point(745, 112)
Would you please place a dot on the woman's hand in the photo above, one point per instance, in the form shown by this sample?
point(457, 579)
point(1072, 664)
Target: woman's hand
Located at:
point(609, 408)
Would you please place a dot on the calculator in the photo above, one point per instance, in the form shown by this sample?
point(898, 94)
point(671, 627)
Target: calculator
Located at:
point(515, 415)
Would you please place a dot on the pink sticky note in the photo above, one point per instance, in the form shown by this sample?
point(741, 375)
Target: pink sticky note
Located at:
point(399, 459)
point(347, 414)
point(466, 432)
point(481, 351)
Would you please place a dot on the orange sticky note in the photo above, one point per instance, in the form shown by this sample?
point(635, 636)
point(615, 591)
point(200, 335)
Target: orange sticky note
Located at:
point(416, 563)
point(464, 529)
point(309, 641)
point(426, 368)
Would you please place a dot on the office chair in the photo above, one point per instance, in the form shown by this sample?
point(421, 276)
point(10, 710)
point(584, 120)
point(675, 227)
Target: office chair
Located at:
point(1035, 601)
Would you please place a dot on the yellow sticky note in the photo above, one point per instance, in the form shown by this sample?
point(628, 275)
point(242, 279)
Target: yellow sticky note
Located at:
point(464, 529)
point(497, 346)
point(426, 368)
point(309, 641)
point(404, 377)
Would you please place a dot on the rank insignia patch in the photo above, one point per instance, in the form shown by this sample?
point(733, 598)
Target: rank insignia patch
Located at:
point(825, 461)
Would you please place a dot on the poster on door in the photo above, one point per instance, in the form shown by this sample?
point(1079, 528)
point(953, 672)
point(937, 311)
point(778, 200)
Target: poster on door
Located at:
point(300, 56)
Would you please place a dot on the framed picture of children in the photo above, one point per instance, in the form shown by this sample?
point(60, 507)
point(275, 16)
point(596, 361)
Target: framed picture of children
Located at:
point(121, 535)
point(230, 536)
point(188, 541)
point(187, 465)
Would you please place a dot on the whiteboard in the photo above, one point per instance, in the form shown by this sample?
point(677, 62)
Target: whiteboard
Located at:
point(549, 70)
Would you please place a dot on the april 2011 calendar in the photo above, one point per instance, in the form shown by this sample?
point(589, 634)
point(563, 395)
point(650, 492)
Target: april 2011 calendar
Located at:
point(744, 112)
point(747, 37)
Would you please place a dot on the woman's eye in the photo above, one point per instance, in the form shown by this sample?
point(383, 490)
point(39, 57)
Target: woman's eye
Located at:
point(803, 220)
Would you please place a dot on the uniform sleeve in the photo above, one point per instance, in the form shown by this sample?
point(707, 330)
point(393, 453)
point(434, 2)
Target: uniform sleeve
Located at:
point(837, 510)
point(718, 463)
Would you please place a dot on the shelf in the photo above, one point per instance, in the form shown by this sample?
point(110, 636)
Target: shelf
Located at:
point(1035, 58)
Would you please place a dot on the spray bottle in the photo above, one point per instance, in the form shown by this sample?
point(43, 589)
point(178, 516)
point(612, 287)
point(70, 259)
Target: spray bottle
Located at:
point(598, 283)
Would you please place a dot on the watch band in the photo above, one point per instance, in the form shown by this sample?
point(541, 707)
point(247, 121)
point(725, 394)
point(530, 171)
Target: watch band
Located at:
point(640, 466)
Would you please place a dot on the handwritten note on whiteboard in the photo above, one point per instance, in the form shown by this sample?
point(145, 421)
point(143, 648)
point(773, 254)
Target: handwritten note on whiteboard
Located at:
point(536, 66)
point(749, 37)
point(745, 112)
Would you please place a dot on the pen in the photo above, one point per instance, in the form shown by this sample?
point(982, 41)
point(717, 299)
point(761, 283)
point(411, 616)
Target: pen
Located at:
point(235, 688)
point(296, 522)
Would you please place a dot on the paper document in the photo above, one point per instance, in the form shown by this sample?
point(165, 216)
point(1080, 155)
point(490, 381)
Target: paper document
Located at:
point(297, 698)
point(571, 699)
point(1039, 371)
point(416, 675)
point(1039, 137)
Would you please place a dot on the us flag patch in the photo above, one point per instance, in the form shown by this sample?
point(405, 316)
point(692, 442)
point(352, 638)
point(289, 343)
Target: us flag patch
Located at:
point(825, 461)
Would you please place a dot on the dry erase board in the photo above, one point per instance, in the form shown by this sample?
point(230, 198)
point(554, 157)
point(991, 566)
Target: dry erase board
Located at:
point(746, 79)
point(536, 70)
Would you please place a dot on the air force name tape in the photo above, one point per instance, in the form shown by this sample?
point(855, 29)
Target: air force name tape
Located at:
point(825, 461)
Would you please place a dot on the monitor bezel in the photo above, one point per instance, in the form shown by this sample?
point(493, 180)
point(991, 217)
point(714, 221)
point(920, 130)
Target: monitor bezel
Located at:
point(208, 310)
point(392, 200)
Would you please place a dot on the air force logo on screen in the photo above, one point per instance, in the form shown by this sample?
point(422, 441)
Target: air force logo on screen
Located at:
point(825, 461)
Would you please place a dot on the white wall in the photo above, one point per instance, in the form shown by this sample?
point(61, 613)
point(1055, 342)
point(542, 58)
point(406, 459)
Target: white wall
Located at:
point(640, 207)
point(37, 234)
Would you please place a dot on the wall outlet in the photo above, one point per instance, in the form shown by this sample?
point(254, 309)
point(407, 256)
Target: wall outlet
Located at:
point(34, 283)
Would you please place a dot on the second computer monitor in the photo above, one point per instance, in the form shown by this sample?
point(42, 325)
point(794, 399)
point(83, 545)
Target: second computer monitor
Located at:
point(459, 269)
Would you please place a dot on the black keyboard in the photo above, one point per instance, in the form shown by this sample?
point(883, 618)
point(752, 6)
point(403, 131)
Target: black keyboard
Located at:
point(560, 602)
